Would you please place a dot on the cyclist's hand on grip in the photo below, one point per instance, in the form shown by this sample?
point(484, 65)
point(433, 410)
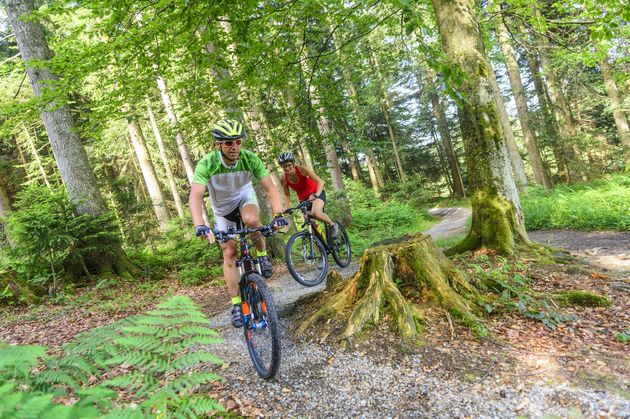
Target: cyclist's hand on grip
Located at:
point(204, 231)
point(279, 221)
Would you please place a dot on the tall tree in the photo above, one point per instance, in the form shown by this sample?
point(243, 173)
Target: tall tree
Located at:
point(529, 135)
point(386, 106)
point(71, 157)
point(179, 136)
point(518, 168)
point(621, 120)
point(179, 205)
point(497, 221)
point(148, 171)
point(35, 153)
point(548, 119)
point(566, 124)
point(445, 136)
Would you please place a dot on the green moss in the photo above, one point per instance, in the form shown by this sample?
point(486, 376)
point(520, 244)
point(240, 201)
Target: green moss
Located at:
point(492, 225)
point(580, 298)
point(478, 328)
point(14, 290)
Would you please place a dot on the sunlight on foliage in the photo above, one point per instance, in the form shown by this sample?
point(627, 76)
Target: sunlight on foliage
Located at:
point(600, 205)
point(154, 360)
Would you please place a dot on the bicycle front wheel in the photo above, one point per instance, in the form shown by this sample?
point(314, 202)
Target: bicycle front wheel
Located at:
point(341, 251)
point(306, 259)
point(262, 331)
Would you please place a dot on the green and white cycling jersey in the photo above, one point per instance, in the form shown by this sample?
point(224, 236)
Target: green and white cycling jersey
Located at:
point(228, 185)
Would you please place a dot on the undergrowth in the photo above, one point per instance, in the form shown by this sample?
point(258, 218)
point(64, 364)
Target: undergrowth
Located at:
point(601, 205)
point(375, 220)
point(146, 365)
point(179, 251)
point(505, 287)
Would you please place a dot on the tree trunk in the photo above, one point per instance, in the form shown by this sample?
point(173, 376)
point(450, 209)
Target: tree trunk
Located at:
point(566, 124)
point(390, 276)
point(140, 186)
point(354, 103)
point(529, 136)
point(377, 170)
point(372, 172)
point(71, 157)
point(35, 153)
point(301, 148)
point(354, 167)
point(5, 202)
point(443, 161)
point(497, 221)
point(179, 205)
point(621, 120)
point(148, 172)
point(445, 136)
point(386, 106)
point(549, 121)
point(179, 137)
point(518, 168)
point(5, 208)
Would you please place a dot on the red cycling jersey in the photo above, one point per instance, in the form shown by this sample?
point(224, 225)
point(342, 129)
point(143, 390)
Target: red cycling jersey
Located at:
point(305, 186)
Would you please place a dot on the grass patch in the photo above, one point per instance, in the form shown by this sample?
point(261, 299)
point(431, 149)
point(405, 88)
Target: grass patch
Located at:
point(601, 205)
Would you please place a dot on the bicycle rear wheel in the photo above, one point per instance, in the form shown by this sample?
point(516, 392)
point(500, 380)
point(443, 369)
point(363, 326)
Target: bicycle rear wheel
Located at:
point(306, 259)
point(262, 332)
point(341, 251)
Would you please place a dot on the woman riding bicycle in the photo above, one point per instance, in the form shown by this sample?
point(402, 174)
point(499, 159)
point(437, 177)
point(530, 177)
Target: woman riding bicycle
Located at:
point(308, 186)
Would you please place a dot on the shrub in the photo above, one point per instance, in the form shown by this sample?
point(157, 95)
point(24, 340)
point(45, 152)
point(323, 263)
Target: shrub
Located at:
point(50, 242)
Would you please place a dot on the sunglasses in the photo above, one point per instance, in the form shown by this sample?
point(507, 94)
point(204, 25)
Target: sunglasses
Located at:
point(230, 143)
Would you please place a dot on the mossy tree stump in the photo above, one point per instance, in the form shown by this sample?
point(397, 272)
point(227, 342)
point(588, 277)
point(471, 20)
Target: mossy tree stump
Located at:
point(395, 278)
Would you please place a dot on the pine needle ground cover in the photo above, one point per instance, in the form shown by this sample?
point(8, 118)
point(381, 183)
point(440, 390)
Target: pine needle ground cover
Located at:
point(601, 205)
point(143, 365)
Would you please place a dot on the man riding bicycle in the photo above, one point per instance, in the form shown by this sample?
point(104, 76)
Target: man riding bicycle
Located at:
point(308, 186)
point(227, 174)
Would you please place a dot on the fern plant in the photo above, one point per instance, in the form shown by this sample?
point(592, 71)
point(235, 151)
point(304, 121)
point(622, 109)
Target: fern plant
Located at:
point(155, 359)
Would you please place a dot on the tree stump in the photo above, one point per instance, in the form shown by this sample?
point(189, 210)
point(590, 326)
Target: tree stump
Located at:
point(395, 280)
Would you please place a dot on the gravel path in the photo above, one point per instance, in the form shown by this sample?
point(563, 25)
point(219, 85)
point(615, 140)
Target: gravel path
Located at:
point(453, 221)
point(318, 380)
point(322, 381)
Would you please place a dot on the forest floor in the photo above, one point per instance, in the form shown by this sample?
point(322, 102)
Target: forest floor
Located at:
point(579, 369)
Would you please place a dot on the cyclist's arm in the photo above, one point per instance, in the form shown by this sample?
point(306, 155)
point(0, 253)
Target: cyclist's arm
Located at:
point(287, 192)
point(272, 194)
point(195, 203)
point(320, 182)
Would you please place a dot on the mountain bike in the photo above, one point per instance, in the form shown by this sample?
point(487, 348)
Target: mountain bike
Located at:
point(307, 250)
point(261, 328)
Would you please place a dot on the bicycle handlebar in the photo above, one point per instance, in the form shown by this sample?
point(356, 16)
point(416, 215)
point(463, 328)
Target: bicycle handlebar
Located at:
point(300, 207)
point(233, 233)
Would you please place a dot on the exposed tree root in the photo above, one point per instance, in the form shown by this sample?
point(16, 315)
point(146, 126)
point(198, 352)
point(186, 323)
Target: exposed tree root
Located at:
point(392, 282)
